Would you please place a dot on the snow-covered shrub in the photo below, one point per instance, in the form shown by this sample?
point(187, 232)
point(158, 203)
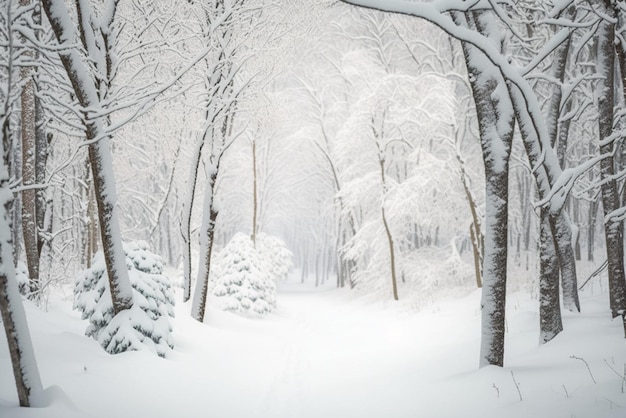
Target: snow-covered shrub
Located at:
point(243, 284)
point(146, 325)
point(276, 256)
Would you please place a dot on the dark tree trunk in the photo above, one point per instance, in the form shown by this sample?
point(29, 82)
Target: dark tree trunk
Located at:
point(496, 136)
point(613, 229)
point(29, 154)
point(550, 324)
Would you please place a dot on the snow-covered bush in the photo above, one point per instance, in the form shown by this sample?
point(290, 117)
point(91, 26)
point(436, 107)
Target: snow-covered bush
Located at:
point(146, 325)
point(276, 256)
point(243, 283)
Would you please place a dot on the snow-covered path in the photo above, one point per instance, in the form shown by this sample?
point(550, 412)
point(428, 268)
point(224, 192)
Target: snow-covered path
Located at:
point(326, 354)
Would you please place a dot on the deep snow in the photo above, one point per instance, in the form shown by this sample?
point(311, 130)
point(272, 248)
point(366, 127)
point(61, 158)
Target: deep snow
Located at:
point(325, 353)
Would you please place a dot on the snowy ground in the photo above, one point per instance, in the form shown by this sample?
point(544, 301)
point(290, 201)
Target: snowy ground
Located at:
point(325, 354)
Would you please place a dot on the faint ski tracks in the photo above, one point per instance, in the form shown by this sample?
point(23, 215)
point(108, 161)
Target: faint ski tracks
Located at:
point(287, 394)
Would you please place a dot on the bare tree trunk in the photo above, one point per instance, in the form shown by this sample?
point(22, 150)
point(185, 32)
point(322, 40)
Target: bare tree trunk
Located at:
point(591, 230)
point(477, 256)
point(29, 153)
point(42, 204)
point(99, 157)
point(254, 194)
point(92, 227)
point(613, 229)
point(390, 243)
point(29, 196)
point(496, 136)
point(476, 233)
point(185, 224)
point(207, 232)
point(559, 223)
point(392, 255)
point(25, 372)
point(15, 168)
point(550, 324)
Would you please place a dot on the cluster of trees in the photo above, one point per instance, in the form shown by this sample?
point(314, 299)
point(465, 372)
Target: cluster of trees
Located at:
point(76, 80)
point(397, 145)
point(541, 81)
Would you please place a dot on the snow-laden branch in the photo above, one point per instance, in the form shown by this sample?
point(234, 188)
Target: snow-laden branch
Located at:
point(434, 13)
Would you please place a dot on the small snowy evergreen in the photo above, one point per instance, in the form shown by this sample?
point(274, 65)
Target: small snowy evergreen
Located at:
point(146, 325)
point(244, 283)
point(276, 256)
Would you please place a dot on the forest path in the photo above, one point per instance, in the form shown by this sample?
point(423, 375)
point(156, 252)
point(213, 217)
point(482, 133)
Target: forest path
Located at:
point(327, 353)
point(342, 357)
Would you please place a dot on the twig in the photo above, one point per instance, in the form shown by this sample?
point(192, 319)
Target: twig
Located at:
point(595, 273)
point(497, 389)
point(588, 368)
point(516, 386)
point(611, 403)
point(622, 377)
point(565, 390)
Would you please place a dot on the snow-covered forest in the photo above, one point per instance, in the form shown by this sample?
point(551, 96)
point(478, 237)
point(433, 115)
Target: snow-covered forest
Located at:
point(295, 208)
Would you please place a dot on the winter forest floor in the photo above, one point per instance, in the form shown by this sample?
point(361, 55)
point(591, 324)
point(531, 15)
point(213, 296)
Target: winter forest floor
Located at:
point(325, 353)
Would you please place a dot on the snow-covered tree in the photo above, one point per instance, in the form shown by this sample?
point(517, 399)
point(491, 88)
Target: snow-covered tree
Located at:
point(245, 282)
point(87, 91)
point(501, 96)
point(24, 365)
point(146, 325)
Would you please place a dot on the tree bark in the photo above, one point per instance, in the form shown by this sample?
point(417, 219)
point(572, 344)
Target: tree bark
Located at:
point(495, 123)
point(476, 233)
point(613, 229)
point(29, 195)
point(185, 224)
point(550, 324)
point(559, 225)
point(392, 255)
point(254, 194)
point(29, 153)
point(99, 156)
point(207, 232)
point(25, 372)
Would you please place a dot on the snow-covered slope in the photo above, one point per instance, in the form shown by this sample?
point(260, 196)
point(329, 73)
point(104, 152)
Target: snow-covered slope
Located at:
point(324, 354)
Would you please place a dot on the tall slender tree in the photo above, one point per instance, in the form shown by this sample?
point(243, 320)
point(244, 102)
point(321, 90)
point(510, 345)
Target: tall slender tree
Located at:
point(25, 371)
point(87, 91)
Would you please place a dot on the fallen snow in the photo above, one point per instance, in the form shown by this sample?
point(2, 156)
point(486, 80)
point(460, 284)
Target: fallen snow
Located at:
point(323, 353)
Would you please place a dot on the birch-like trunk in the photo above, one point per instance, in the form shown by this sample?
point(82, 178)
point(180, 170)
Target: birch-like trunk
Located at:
point(185, 223)
point(25, 371)
point(254, 194)
point(207, 234)
point(99, 155)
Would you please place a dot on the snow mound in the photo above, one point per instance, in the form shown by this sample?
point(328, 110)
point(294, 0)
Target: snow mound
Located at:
point(146, 325)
